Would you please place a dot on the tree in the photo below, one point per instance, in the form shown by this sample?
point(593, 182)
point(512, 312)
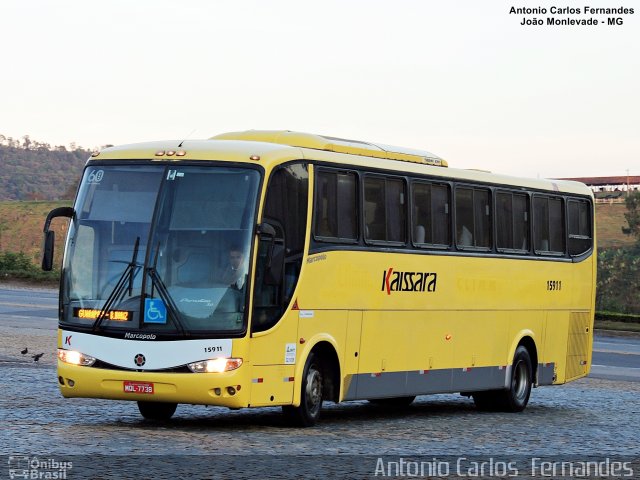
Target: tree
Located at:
point(633, 215)
point(70, 192)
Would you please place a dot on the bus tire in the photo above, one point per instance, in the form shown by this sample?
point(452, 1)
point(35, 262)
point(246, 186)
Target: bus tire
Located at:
point(516, 397)
point(394, 402)
point(311, 396)
point(157, 410)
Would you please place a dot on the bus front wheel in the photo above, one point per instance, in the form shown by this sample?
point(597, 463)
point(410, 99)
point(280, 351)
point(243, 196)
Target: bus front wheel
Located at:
point(157, 410)
point(308, 413)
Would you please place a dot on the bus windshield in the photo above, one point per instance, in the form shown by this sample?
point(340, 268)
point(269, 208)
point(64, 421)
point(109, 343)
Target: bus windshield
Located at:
point(160, 249)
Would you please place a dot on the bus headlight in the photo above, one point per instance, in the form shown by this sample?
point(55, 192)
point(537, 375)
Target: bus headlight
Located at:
point(75, 358)
point(215, 365)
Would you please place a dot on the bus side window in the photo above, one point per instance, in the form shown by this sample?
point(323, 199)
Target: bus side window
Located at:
point(385, 209)
point(431, 223)
point(579, 221)
point(286, 210)
point(473, 218)
point(464, 217)
point(336, 206)
point(512, 222)
point(548, 225)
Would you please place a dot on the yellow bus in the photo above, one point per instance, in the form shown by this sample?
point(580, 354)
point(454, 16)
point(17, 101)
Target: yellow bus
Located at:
point(268, 268)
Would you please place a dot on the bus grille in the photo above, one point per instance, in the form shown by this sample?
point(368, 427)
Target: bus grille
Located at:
point(578, 345)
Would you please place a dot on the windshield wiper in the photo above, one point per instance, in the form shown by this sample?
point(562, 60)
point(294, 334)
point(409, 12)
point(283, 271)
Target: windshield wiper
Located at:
point(121, 284)
point(158, 284)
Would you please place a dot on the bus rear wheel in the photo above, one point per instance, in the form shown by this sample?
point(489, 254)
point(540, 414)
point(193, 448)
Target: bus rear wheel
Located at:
point(157, 410)
point(516, 397)
point(311, 396)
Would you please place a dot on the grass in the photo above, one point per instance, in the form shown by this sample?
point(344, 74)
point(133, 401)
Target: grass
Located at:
point(21, 228)
point(618, 317)
point(609, 222)
point(618, 326)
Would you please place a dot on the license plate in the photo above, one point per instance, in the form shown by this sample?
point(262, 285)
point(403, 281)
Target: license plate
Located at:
point(138, 387)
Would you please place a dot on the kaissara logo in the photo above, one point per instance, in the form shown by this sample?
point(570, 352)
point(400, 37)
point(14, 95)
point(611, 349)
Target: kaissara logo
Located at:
point(408, 281)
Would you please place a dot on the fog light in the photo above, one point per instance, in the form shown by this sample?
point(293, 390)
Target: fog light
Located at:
point(231, 390)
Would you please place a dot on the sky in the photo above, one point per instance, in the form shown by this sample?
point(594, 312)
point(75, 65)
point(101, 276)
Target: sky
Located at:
point(462, 78)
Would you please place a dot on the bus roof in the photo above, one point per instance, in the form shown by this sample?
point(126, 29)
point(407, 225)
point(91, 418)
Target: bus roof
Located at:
point(269, 148)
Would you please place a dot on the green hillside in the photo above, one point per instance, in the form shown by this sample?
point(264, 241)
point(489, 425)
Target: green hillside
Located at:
point(37, 171)
point(21, 228)
point(609, 222)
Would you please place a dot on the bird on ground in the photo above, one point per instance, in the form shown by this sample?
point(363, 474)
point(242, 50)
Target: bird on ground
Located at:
point(37, 356)
point(25, 351)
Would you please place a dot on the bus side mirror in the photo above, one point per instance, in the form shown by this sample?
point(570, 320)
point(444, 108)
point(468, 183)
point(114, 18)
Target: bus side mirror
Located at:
point(47, 250)
point(266, 230)
point(49, 235)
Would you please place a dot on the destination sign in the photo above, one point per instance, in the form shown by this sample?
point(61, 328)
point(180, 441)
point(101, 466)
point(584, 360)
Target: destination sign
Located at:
point(92, 314)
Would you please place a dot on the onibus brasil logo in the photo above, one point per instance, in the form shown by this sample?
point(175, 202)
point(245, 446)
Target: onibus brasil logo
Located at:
point(25, 466)
point(408, 281)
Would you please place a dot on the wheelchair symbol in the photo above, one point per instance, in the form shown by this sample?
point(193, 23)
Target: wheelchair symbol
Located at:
point(155, 311)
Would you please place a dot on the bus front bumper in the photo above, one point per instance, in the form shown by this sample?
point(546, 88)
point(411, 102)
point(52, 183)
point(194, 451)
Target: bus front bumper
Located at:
point(229, 389)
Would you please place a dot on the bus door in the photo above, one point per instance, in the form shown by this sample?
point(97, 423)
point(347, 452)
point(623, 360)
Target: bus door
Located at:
point(274, 324)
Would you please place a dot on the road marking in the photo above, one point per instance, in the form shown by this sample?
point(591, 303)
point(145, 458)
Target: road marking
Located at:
point(631, 346)
point(24, 317)
point(617, 352)
point(617, 368)
point(28, 305)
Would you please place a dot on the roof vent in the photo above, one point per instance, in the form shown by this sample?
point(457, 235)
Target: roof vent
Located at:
point(333, 144)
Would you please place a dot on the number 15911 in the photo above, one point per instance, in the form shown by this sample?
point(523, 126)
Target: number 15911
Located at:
point(554, 285)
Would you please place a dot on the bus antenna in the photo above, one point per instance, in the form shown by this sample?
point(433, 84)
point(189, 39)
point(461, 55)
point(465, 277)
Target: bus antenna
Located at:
point(186, 138)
